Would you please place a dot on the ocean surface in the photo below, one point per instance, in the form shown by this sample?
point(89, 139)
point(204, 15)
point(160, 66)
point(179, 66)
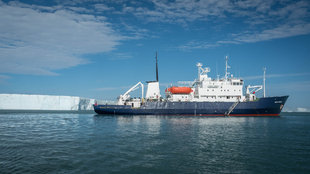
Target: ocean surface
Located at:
point(90, 143)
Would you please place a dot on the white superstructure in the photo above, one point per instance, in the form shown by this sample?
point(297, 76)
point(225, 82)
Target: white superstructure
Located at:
point(227, 89)
point(202, 89)
point(153, 92)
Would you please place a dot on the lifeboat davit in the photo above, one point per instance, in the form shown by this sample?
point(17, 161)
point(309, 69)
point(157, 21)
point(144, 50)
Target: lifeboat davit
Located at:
point(179, 90)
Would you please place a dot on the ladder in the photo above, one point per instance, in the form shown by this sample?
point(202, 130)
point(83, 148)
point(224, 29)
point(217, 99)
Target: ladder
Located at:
point(231, 108)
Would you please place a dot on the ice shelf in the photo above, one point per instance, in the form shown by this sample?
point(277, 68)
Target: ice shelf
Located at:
point(44, 102)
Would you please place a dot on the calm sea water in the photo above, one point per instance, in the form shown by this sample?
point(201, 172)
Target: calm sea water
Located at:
point(89, 143)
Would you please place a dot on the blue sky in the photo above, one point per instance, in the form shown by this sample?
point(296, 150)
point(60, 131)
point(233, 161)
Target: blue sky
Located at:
point(98, 49)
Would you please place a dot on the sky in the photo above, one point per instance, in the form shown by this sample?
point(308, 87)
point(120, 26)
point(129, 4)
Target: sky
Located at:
point(100, 48)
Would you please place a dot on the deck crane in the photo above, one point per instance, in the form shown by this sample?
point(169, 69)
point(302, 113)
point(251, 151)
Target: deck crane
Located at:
point(122, 98)
point(251, 90)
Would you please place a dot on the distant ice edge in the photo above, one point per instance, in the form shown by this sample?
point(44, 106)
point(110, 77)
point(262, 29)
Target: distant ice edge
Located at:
point(44, 102)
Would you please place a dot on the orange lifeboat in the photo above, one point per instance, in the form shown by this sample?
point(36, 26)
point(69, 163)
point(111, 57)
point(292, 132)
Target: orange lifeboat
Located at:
point(179, 90)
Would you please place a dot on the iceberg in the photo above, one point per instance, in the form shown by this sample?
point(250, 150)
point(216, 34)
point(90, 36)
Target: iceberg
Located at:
point(44, 102)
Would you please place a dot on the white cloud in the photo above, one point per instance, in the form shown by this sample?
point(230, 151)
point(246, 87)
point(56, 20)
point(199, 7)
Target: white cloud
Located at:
point(283, 31)
point(293, 86)
point(103, 7)
point(39, 42)
point(180, 11)
point(260, 20)
point(120, 56)
point(39, 39)
point(302, 110)
point(201, 45)
point(112, 88)
point(276, 76)
point(107, 89)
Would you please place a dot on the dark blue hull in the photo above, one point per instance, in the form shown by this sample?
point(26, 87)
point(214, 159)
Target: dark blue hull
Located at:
point(268, 106)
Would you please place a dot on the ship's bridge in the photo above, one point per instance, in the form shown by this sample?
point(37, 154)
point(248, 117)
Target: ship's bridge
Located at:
point(217, 90)
point(236, 82)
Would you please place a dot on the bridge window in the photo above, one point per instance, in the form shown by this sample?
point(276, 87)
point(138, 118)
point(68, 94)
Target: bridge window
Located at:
point(237, 83)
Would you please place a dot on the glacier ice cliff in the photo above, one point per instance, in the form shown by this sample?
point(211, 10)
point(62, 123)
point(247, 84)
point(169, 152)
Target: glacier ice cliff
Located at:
point(44, 102)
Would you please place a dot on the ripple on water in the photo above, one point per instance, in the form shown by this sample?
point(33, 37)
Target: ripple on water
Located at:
point(86, 143)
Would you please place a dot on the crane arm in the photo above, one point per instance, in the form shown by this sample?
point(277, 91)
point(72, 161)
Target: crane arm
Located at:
point(254, 89)
point(133, 88)
point(125, 96)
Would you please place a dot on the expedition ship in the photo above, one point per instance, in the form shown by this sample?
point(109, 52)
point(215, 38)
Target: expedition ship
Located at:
point(202, 97)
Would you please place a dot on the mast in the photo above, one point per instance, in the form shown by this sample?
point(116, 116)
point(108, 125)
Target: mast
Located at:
point(199, 65)
point(264, 80)
point(226, 69)
point(156, 68)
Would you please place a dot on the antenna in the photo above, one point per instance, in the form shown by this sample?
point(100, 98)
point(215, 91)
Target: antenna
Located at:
point(226, 69)
point(199, 65)
point(156, 68)
point(264, 81)
point(217, 74)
